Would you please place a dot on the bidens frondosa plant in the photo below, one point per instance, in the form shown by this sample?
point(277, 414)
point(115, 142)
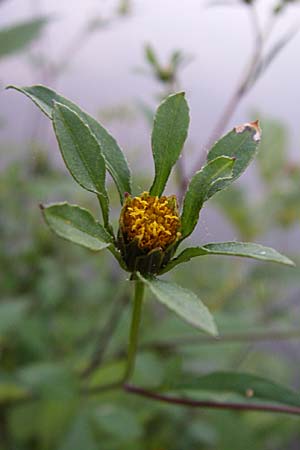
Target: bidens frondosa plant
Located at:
point(152, 226)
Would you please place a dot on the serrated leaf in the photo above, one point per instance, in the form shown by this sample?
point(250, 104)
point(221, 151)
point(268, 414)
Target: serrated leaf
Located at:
point(81, 152)
point(243, 249)
point(250, 387)
point(77, 225)
point(241, 143)
point(169, 133)
point(201, 183)
point(16, 37)
point(115, 160)
point(183, 302)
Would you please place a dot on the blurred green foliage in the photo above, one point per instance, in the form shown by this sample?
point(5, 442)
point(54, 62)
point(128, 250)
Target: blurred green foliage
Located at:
point(57, 299)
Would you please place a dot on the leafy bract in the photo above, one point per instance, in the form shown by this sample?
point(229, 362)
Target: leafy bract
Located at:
point(183, 302)
point(201, 183)
point(81, 153)
point(77, 225)
point(250, 387)
point(15, 38)
point(115, 160)
point(170, 129)
point(241, 143)
point(244, 249)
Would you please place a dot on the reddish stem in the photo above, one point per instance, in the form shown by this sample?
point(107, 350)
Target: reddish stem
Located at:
point(210, 404)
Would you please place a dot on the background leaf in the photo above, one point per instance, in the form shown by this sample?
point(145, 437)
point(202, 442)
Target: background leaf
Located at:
point(13, 39)
point(168, 136)
point(198, 188)
point(117, 421)
point(76, 225)
point(12, 313)
point(244, 249)
point(250, 387)
point(241, 143)
point(183, 302)
point(115, 160)
point(12, 390)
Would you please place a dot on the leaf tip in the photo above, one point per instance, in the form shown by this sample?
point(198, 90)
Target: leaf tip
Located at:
point(290, 263)
point(215, 331)
point(254, 127)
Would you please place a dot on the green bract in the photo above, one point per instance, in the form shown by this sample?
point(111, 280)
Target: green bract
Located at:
point(89, 151)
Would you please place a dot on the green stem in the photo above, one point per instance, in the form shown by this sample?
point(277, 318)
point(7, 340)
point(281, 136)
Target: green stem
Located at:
point(103, 205)
point(134, 329)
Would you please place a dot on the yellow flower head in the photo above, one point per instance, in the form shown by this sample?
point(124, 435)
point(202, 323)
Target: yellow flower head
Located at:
point(152, 222)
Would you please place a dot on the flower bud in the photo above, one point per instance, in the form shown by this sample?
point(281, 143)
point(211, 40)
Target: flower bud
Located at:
point(149, 228)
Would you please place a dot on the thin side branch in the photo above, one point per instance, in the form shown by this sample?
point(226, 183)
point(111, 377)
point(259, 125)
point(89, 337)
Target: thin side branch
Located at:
point(210, 404)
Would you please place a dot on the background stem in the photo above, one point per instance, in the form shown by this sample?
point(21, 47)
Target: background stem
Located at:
point(134, 329)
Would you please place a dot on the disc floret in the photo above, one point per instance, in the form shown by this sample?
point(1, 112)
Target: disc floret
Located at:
point(149, 225)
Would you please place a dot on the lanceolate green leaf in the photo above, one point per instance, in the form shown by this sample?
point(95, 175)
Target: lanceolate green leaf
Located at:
point(200, 185)
point(81, 153)
point(77, 225)
point(244, 249)
point(14, 38)
point(115, 160)
point(250, 387)
point(241, 143)
point(183, 302)
point(168, 136)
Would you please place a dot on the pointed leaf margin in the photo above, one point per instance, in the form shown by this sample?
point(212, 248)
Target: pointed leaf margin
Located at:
point(250, 387)
point(169, 133)
point(82, 153)
point(241, 249)
point(242, 144)
point(196, 194)
point(76, 224)
point(116, 163)
point(183, 302)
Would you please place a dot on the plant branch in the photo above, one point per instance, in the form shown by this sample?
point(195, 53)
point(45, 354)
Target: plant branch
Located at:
point(210, 404)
